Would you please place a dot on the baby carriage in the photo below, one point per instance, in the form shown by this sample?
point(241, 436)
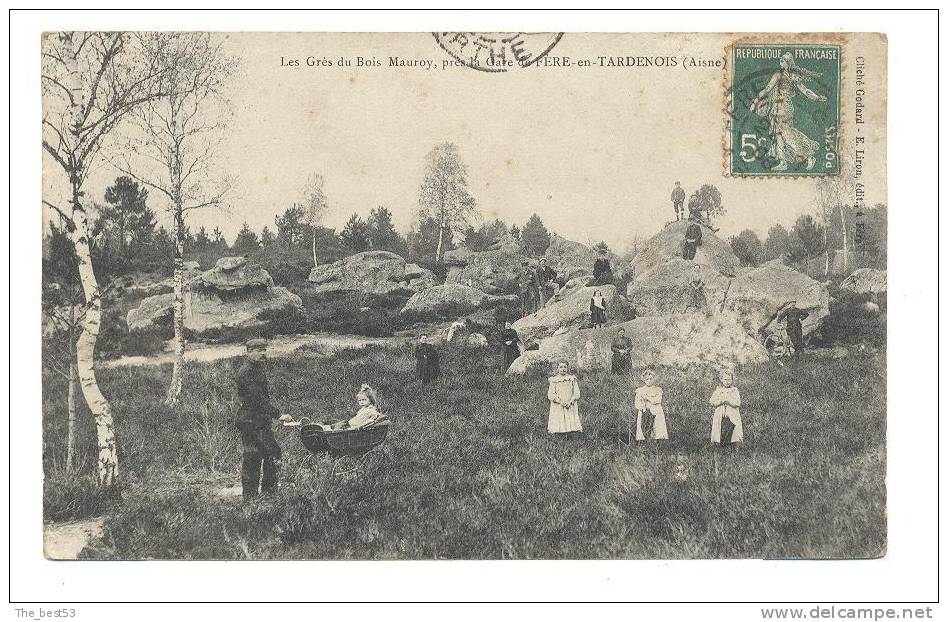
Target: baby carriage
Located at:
point(349, 449)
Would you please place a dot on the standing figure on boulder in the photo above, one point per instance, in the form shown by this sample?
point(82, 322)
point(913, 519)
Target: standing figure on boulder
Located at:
point(678, 200)
point(597, 310)
point(602, 269)
point(564, 402)
point(427, 362)
point(650, 416)
point(510, 345)
point(546, 282)
point(726, 425)
point(692, 241)
point(696, 298)
point(792, 317)
point(529, 295)
point(621, 353)
point(261, 455)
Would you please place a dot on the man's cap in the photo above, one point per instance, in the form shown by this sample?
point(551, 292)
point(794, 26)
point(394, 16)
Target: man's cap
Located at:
point(256, 344)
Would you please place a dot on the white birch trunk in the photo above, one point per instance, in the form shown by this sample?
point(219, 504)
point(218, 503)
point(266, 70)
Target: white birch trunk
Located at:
point(71, 422)
point(315, 263)
point(174, 390)
point(107, 461)
point(842, 217)
point(107, 467)
point(71, 395)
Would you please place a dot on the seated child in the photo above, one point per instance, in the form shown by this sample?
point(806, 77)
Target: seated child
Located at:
point(650, 417)
point(726, 426)
point(367, 414)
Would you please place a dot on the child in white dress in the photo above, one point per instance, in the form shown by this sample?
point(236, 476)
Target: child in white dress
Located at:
point(564, 402)
point(367, 414)
point(726, 425)
point(650, 417)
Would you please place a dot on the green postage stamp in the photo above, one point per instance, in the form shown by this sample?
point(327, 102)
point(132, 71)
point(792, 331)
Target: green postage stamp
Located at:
point(784, 110)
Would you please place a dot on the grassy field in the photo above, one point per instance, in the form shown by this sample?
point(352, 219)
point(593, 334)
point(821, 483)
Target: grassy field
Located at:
point(472, 473)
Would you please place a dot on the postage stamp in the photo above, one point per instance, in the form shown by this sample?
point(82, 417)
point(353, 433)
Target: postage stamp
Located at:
point(497, 51)
point(784, 110)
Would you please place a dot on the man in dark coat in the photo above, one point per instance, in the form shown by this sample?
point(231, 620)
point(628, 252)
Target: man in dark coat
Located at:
point(427, 362)
point(678, 200)
point(793, 320)
point(692, 241)
point(546, 285)
point(260, 451)
point(602, 269)
point(510, 344)
point(621, 353)
point(529, 296)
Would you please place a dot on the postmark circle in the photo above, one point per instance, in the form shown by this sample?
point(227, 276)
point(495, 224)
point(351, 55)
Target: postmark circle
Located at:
point(496, 52)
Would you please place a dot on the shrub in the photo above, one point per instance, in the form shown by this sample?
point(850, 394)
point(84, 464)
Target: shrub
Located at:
point(72, 496)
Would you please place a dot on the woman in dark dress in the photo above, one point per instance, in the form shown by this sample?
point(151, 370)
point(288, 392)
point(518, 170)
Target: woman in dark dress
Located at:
point(510, 345)
point(427, 361)
point(597, 310)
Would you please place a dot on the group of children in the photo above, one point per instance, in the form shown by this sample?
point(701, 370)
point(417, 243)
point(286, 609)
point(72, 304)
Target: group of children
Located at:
point(726, 426)
point(564, 394)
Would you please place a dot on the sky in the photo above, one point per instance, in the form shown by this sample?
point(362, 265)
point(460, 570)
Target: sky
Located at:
point(595, 151)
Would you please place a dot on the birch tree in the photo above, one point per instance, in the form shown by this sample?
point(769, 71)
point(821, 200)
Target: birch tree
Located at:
point(832, 196)
point(91, 81)
point(443, 195)
point(314, 204)
point(172, 144)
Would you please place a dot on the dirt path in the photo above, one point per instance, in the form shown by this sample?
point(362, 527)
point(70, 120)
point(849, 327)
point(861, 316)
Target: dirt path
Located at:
point(65, 540)
point(320, 344)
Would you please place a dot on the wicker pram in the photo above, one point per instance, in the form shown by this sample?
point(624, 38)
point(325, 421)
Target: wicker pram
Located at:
point(348, 449)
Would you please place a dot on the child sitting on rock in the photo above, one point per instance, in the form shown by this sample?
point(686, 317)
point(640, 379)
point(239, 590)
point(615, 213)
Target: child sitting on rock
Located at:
point(650, 417)
point(726, 426)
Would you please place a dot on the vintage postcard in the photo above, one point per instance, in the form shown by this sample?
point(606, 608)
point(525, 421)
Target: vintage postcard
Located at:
point(464, 295)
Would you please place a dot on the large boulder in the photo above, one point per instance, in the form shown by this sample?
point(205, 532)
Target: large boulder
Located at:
point(756, 294)
point(152, 312)
point(374, 272)
point(235, 294)
point(507, 243)
point(206, 312)
point(231, 274)
point(493, 272)
point(573, 259)
point(571, 312)
point(666, 246)
point(866, 281)
point(667, 288)
point(452, 299)
point(673, 340)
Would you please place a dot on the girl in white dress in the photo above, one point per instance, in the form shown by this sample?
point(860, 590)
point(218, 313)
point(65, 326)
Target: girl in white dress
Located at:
point(564, 402)
point(650, 417)
point(726, 426)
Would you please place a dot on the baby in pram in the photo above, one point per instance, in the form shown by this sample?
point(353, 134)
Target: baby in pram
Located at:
point(367, 414)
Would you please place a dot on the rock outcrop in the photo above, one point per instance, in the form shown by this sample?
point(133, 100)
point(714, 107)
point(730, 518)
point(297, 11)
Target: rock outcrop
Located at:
point(573, 259)
point(666, 245)
point(452, 300)
point(567, 314)
point(493, 272)
point(866, 281)
point(758, 293)
point(234, 294)
point(666, 288)
point(674, 340)
point(373, 272)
